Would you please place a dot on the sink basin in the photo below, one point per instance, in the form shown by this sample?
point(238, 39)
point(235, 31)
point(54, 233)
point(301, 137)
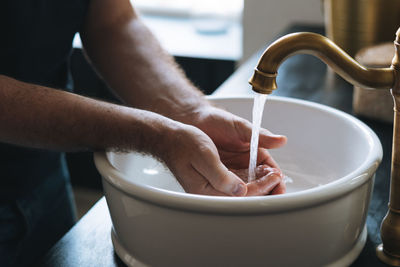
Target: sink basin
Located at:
point(330, 156)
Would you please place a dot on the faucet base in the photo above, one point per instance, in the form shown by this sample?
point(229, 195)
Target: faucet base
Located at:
point(386, 258)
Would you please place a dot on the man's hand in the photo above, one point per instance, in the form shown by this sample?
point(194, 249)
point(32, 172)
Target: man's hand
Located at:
point(232, 134)
point(223, 151)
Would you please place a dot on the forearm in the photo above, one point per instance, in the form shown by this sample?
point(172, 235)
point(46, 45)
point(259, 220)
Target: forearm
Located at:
point(37, 116)
point(135, 66)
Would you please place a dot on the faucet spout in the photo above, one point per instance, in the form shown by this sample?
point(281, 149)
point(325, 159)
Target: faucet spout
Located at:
point(264, 77)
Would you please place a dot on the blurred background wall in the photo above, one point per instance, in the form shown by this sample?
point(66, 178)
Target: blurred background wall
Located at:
point(264, 19)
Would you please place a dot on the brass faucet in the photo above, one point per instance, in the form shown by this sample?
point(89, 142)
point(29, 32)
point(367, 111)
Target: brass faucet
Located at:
point(264, 81)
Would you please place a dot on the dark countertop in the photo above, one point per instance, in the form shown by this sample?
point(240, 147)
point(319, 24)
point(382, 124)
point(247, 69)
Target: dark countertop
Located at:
point(88, 243)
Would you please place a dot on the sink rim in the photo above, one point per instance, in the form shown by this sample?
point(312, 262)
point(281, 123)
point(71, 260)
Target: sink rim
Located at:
point(252, 205)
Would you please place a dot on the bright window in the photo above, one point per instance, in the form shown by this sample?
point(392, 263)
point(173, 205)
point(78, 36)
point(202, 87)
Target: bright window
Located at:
point(222, 8)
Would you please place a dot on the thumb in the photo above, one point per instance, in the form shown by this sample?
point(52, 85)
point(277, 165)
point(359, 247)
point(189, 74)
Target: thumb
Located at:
point(270, 140)
point(266, 138)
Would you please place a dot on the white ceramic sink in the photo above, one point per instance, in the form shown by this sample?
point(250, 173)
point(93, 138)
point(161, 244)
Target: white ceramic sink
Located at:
point(331, 157)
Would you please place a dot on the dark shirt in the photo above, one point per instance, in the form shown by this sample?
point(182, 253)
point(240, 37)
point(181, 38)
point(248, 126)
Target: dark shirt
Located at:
point(35, 46)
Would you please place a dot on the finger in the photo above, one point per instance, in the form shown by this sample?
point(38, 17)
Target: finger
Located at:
point(210, 167)
point(197, 184)
point(279, 189)
point(270, 140)
point(211, 191)
point(263, 186)
point(262, 170)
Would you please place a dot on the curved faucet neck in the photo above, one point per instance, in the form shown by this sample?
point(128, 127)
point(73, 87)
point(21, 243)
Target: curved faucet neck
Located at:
point(264, 77)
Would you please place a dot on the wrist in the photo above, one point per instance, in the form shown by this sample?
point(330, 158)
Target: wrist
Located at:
point(194, 114)
point(158, 134)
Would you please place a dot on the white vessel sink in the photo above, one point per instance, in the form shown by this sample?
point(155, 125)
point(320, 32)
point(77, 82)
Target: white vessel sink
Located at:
point(331, 157)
